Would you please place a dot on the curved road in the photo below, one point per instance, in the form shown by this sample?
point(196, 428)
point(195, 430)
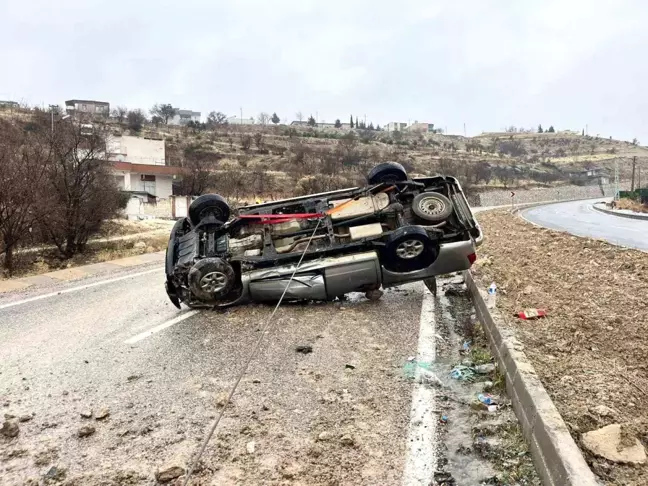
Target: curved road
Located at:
point(580, 219)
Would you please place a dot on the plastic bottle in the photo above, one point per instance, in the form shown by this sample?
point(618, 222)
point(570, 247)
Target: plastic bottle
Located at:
point(492, 296)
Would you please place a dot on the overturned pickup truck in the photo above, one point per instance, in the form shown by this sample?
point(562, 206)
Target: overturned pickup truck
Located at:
point(321, 246)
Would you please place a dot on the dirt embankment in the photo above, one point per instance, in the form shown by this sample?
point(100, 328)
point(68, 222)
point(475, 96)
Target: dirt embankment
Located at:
point(592, 350)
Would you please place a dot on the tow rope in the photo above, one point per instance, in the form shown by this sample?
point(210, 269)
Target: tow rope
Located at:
point(264, 331)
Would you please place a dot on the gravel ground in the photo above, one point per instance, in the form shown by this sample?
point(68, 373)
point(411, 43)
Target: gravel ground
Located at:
point(592, 349)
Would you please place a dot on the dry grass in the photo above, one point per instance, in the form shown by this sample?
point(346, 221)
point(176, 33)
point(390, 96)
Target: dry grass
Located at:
point(593, 348)
point(27, 264)
point(631, 205)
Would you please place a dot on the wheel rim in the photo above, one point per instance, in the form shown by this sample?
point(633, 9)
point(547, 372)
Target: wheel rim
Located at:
point(213, 282)
point(431, 206)
point(409, 249)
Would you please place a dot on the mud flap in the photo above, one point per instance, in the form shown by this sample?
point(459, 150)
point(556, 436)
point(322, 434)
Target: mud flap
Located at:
point(171, 292)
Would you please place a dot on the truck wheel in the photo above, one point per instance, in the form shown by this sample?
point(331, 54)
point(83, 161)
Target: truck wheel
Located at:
point(407, 249)
point(387, 172)
point(211, 278)
point(432, 207)
point(209, 204)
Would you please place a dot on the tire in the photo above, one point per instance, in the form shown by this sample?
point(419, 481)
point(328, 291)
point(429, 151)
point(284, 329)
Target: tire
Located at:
point(209, 204)
point(407, 249)
point(432, 207)
point(211, 278)
point(387, 172)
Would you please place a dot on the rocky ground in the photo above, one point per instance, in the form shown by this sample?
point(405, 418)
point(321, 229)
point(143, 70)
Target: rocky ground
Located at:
point(591, 352)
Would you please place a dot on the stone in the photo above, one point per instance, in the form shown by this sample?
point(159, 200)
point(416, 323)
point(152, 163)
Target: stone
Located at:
point(169, 474)
point(603, 411)
point(86, 431)
point(86, 414)
point(140, 245)
point(102, 414)
point(304, 349)
point(25, 418)
point(324, 436)
point(350, 366)
point(55, 473)
point(10, 428)
point(250, 447)
point(347, 440)
point(606, 442)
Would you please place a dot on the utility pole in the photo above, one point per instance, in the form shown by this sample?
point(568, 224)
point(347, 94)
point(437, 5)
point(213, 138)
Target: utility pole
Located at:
point(639, 178)
point(464, 129)
point(634, 167)
point(241, 115)
point(586, 132)
point(616, 179)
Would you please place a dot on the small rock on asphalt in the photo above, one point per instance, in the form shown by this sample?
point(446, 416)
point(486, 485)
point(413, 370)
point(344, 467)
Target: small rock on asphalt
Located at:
point(86, 431)
point(350, 366)
point(305, 349)
point(325, 436)
point(102, 414)
point(169, 474)
point(25, 418)
point(347, 440)
point(10, 428)
point(250, 447)
point(603, 411)
point(606, 442)
point(86, 413)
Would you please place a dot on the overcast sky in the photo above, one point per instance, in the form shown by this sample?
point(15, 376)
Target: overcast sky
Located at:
point(484, 63)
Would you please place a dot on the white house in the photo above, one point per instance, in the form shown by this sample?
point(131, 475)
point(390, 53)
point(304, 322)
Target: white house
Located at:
point(235, 120)
point(182, 117)
point(139, 166)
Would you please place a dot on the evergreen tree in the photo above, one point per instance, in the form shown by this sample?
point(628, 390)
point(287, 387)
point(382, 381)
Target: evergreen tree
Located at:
point(351, 123)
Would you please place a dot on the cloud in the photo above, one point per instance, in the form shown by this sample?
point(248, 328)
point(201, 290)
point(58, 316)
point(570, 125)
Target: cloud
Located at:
point(486, 63)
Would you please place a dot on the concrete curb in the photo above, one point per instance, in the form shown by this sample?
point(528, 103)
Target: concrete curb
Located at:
point(556, 456)
point(620, 215)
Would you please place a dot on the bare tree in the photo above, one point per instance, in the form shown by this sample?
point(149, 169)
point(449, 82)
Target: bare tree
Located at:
point(199, 170)
point(258, 140)
point(246, 142)
point(82, 189)
point(300, 116)
point(24, 156)
point(263, 118)
point(216, 119)
point(164, 111)
point(119, 114)
point(136, 119)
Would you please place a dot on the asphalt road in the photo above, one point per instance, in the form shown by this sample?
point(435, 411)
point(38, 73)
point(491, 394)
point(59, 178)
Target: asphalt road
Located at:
point(579, 218)
point(354, 411)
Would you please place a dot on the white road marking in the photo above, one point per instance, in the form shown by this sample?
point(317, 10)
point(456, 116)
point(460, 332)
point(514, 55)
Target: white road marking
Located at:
point(77, 289)
point(420, 463)
point(161, 327)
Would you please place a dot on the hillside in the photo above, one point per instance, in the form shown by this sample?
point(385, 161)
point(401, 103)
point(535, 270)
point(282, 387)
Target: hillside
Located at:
point(244, 161)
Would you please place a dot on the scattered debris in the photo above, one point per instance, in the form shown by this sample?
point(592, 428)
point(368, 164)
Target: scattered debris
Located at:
point(443, 419)
point(484, 369)
point(304, 349)
point(456, 290)
point(86, 431)
point(102, 414)
point(607, 442)
point(461, 372)
point(350, 366)
point(528, 314)
point(603, 411)
point(169, 474)
point(10, 428)
point(486, 399)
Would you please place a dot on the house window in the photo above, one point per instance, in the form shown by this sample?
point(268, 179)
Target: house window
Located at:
point(148, 183)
